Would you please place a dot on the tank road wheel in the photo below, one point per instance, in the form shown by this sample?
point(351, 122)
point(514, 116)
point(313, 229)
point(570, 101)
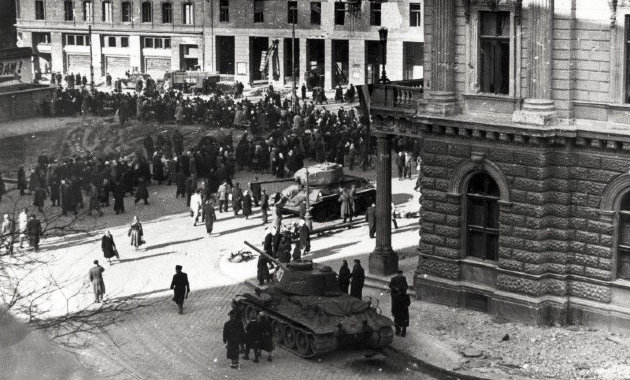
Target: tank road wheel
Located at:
point(302, 343)
point(278, 332)
point(289, 336)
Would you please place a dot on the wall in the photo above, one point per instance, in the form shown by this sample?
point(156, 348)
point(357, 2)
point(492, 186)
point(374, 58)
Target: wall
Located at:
point(23, 104)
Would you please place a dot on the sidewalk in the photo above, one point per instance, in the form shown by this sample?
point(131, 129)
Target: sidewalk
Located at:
point(476, 344)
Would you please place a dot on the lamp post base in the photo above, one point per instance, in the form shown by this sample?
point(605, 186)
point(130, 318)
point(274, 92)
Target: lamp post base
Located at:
point(383, 263)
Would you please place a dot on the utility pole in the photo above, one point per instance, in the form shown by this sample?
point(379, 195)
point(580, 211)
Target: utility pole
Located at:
point(91, 58)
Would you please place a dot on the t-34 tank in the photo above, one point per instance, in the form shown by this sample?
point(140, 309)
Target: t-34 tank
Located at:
point(310, 315)
point(325, 183)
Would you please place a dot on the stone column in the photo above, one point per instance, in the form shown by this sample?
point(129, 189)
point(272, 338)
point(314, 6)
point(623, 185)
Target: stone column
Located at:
point(442, 87)
point(328, 64)
point(539, 108)
point(56, 53)
point(383, 261)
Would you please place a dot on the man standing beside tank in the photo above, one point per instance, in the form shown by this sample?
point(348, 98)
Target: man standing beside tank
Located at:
point(358, 278)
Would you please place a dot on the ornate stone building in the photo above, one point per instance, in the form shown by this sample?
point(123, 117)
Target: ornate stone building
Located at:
point(336, 42)
point(526, 158)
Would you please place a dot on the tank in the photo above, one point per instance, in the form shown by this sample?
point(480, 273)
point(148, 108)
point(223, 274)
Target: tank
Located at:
point(310, 315)
point(324, 182)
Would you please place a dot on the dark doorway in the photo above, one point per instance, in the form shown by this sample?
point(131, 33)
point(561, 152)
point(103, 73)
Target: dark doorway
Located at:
point(287, 60)
point(315, 53)
point(225, 54)
point(258, 47)
point(340, 66)
point(373, 61)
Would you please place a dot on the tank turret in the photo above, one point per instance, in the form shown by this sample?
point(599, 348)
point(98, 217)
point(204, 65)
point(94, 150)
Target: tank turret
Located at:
point(310, 314)
point(325, 183)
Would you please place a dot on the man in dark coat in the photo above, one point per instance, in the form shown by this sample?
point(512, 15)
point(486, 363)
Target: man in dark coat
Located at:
point(142, 193)
point(233, 337)
point(253, 339)
point(370, 216)
point(305, 237)
point(344, 277)
point(21, 178)
point(109, 247)
point(400, 312)
point(39, 197)
point(98, 285)
point(398, 283)
point(181, 287)
point(358, 278)
point(34, 231)
point(256, 191)
point(119, 198)
point(149, 147)
point(180, 184)
point(209, 215)
point(247, 205)
point(189, 189)
point(264, 206)
point(236, 198)
point(284, 248)
point(267, 334)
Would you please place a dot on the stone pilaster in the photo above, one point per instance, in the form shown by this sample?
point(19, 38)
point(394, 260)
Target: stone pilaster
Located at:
point(383, 261)
point(442, 99)
point(539, 108)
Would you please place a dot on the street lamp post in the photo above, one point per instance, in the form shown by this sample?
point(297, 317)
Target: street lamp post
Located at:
point(382, 35)
point(307, 216)
point(293, 86)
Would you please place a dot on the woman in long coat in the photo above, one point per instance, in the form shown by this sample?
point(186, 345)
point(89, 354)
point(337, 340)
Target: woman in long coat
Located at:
point(109, 247)
point(400, 311)
point(345, 209)
point(135, 233)
point(344, 277)
point(21, 178)
point(234, 336)
point(247, 204)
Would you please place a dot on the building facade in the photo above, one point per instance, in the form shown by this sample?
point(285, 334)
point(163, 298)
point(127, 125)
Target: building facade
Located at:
point(526, 159)
point(7, 25)
point(334, 42)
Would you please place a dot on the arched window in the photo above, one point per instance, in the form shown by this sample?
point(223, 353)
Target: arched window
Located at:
point(623, 248)
point(482, 217)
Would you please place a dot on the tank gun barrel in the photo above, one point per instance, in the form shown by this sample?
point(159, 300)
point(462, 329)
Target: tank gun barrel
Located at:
point(270, 258)
point(279, 180)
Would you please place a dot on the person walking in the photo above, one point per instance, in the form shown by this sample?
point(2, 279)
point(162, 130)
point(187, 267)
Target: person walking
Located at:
point(196, 204)
point(267, 334)
point(233, 337)
point(223, 196)
point(253, 339)
point(264, 206)
point(247, 204)
point(135, 233)
point(370, 216)
point(22, 225)
point(180, 287)
point(400, 311)
point(34, 230)
point(142, 193)
point(236, 198)
point(345, 210)
point(6, 234)
point(358, 279)
point(209, 215)
point(305, 238)
point(344, 277)
point(109, 247)
point(98, 285)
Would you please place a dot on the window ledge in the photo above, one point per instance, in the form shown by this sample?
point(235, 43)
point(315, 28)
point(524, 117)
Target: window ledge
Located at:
point(480, 262)
point(489, 96)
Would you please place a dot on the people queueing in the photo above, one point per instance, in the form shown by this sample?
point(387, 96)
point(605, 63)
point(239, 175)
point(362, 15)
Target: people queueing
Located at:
point(180, 287)
point(357, 280)
point(98, 285)
point(109, 247)
point(344, 277)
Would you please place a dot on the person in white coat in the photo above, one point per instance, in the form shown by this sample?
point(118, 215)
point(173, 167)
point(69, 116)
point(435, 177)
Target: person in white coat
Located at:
point(22, 225)
point(196, 203)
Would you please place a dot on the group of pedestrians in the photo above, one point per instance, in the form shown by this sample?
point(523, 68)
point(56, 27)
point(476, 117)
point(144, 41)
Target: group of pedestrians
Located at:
point(256, 335)
point(28, 229)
